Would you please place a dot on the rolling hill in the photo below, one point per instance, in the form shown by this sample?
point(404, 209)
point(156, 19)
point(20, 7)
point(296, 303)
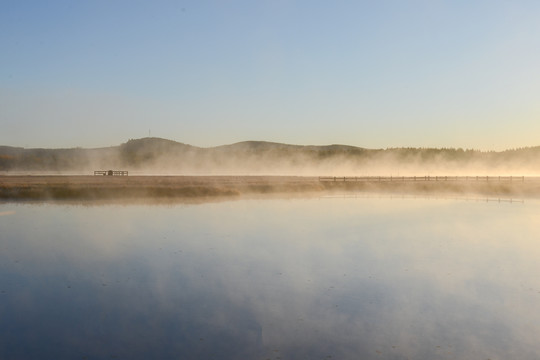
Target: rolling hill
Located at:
point(162, 156)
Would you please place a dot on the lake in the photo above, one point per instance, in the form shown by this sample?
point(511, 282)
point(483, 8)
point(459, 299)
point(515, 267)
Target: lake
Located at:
point(316, 278)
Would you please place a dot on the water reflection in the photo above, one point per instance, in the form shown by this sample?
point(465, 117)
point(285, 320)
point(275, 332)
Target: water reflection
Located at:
point(273, 279)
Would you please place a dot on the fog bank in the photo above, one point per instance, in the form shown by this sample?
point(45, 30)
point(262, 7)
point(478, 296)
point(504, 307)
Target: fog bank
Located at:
point(154, 156)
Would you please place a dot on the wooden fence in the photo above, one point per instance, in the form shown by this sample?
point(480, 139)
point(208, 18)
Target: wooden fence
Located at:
point(111, 172)
point(419, 178)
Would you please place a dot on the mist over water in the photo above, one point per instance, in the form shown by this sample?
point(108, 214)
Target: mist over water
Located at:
point(342, 278)
point(165, 157)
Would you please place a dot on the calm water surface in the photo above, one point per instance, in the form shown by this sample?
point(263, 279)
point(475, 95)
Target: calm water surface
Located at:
point(271, 279)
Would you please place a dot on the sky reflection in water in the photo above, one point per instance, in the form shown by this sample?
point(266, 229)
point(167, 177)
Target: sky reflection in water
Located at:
point(272, 279)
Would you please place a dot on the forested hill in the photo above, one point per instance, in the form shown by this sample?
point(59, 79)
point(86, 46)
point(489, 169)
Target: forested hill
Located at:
point(155, 155)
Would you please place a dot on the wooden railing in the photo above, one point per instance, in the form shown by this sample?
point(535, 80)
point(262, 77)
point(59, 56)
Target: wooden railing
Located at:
point(419, 178)
point(111, 172)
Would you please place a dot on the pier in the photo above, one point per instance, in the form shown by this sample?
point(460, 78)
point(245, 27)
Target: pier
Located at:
point(111, 173)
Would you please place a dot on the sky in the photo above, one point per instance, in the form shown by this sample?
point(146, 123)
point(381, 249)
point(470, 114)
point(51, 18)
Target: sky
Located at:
point(374, 74)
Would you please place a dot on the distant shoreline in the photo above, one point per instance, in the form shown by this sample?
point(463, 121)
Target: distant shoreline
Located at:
point(88, 188)
point(161, 157)
point(55, 187)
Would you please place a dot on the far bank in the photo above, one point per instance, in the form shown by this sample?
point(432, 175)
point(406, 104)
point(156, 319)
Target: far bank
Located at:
point(57, 187)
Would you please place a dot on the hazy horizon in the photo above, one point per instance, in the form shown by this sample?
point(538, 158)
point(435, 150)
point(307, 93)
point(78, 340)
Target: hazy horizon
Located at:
point(30, 146)
point(166, 157)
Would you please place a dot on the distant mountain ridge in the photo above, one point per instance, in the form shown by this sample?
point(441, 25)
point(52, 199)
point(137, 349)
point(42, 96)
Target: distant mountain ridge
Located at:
point(157, 155)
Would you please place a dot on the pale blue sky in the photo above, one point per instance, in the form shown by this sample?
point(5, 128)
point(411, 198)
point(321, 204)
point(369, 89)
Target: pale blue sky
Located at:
point(374, 74)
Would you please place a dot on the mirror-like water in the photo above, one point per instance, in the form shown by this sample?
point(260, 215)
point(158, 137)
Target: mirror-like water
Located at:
point(272, 279)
